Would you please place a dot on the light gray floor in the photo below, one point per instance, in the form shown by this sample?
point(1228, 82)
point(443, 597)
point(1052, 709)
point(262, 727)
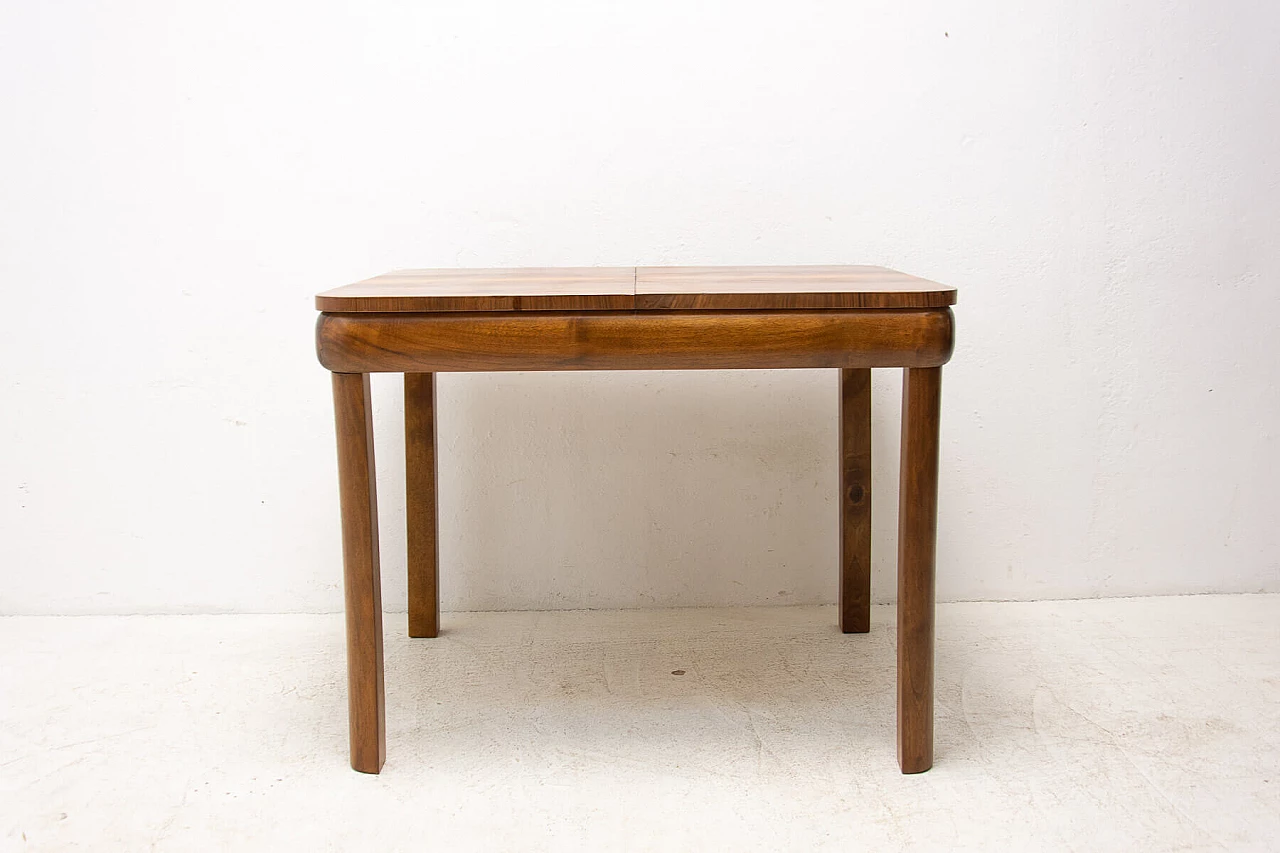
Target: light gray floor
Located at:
point(1127, 725)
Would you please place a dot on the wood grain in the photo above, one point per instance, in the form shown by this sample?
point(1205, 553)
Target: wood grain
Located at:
point(426, 343)
point(855, 500)
point(528, 289)
point(427, 321)
point(421, 519)
point(917, 538)
point(637, 288)
point(784, 288)
point(366, 706)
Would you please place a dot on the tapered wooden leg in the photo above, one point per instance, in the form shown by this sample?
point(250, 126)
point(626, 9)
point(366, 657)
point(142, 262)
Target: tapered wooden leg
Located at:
point(366, 705)
point(917, 532)
point(855, 500)
point(421, 518)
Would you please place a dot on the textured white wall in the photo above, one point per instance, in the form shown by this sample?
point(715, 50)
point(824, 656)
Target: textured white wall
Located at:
point(177, 180)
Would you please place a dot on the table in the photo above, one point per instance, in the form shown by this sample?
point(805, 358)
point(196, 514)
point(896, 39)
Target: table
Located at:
point(424, 322)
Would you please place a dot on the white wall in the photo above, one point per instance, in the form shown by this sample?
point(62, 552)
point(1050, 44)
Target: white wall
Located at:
point(177, 180)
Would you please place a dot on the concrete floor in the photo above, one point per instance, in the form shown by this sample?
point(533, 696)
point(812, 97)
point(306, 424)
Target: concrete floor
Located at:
point(1127, 725)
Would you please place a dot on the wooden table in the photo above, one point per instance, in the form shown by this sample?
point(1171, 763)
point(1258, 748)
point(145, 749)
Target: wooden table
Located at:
point(423, 322)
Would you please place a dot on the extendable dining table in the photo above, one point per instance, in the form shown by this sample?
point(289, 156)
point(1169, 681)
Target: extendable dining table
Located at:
point(851, 318)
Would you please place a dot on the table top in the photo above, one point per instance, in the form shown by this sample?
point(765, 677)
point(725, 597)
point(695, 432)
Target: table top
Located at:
point(636, 289)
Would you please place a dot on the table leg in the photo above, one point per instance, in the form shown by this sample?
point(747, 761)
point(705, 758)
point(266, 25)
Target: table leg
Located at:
point(420, 504)
point(917, 533)
point(855, 500)
point(366, 703)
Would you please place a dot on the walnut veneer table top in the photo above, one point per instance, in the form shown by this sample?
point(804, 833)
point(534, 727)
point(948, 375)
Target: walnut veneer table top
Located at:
point(636, 289)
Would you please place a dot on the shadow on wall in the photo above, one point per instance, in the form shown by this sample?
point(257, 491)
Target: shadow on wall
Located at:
point(637, 489)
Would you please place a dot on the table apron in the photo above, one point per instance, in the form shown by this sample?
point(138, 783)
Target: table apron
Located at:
point(602, 340)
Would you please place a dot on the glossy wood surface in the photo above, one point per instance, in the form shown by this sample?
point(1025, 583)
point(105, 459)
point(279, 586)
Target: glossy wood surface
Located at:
point(425, 343)
point(855, 501)
point(421, 519)
point(636, 288)
point(367, 716)
point(917, 538)
point(529, 289)
point(778, 288)
point(686, 318)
